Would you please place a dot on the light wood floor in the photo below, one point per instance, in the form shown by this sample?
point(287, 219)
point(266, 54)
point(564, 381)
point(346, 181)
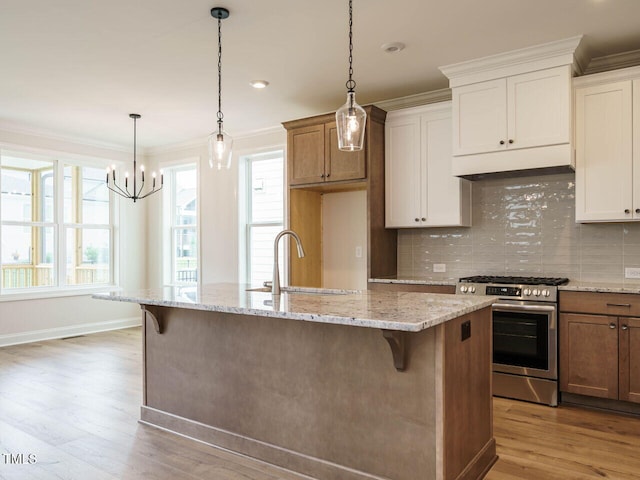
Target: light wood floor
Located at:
point(74, 404)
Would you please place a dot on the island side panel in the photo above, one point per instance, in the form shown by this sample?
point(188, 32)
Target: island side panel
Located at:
point(468, 444)
point(320, 399)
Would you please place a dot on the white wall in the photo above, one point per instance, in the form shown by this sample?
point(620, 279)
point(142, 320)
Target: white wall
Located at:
point(344, 240)
point(36, 319)
point(218, 195)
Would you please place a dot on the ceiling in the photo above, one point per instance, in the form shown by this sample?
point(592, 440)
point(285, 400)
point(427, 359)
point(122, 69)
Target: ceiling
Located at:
point(77, 68)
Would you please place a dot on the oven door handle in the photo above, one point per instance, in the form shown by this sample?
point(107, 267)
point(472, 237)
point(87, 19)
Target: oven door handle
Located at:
point(529, 308)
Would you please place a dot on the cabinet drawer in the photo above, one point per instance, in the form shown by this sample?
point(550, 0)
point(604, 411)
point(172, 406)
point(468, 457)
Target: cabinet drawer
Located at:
point(614, 304)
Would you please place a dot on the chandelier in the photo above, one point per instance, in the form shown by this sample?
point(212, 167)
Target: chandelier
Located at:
point(137, 192)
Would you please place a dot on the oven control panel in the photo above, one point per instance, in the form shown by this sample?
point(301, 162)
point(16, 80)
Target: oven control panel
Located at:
point(540, 293)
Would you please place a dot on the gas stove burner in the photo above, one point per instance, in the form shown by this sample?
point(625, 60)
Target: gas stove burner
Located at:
point(551, 281)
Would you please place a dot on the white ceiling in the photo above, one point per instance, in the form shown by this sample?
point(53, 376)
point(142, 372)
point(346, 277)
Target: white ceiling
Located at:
point(77, 68)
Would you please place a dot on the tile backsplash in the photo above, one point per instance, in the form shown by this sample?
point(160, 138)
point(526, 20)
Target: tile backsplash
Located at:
point(523, 226)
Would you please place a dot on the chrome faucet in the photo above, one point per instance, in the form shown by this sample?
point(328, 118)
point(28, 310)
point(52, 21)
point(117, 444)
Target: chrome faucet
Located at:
point(275, 284)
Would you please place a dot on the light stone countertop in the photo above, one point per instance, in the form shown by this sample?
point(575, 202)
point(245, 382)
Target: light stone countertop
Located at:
point(600, 287)
point(414, 281)
point(400, 311)
point(574, 286)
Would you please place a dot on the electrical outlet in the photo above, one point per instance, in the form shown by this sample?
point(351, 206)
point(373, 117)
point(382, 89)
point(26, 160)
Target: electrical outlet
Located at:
point(632, 272)
point(439, 267)
point(358, 251)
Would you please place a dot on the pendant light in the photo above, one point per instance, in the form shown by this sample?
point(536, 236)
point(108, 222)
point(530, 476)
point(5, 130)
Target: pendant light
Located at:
point(136, 194)
point(220, 142)
point(351, 117)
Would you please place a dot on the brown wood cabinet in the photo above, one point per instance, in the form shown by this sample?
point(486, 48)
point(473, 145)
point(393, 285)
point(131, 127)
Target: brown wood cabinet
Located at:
point(600, 345)
point(313, 156)
point(315, 167)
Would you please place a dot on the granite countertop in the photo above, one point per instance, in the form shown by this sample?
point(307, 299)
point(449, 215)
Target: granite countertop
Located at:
point(600, 287)
point(401, 311)
point(415, 281)
point(575, 286)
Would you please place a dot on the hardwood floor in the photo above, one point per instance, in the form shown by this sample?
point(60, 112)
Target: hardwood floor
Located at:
point(74, 404)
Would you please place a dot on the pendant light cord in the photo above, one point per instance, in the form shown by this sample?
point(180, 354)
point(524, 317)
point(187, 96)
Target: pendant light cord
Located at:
point(220, 115)
point(351, 84)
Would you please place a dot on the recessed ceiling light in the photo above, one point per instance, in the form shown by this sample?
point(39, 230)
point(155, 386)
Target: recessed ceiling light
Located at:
point(392, 47)
point(259, 83)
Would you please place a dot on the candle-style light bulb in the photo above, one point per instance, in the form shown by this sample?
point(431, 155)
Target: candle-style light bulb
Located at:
point(154, 179)
point(142, 171)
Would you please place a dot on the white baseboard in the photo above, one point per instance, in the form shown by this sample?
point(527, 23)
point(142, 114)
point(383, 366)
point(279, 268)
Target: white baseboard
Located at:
point(70, 331)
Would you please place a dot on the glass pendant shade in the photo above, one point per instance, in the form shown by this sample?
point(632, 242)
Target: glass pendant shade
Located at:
point(350, 121)
point(220, 145)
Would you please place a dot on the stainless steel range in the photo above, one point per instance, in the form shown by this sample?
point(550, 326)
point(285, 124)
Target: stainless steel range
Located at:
point(525, 334)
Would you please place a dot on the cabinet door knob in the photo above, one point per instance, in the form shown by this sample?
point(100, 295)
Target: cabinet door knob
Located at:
point(625, 327)
point(322, 175)
point(328, 175)
point(510, 140)
point(424, 219)
point(417, 219)
point(612, 326)
point(501, 142)
point(626, 210)
point(637, 210)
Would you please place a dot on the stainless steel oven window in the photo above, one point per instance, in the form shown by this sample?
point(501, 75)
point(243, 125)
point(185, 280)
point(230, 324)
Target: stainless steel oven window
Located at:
point(525, 339)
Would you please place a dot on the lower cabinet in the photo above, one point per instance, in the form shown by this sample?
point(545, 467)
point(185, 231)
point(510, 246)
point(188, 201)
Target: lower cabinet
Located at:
point(600, 348)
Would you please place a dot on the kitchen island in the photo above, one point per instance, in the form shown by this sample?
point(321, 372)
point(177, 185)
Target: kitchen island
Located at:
point(332, 384)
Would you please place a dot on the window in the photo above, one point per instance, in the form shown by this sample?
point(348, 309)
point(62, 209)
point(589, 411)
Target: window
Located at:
point(182, 215)
point(55, 224)
point(265, 211)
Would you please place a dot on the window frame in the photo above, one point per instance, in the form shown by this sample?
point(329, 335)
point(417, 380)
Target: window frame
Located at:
point(249, 223)
point(170, 226)
point(59, 161)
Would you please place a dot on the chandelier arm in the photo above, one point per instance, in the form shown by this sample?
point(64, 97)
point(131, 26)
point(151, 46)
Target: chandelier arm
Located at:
point(150, 192)
point(122, 192)
point(118, 192)
point(137, 194)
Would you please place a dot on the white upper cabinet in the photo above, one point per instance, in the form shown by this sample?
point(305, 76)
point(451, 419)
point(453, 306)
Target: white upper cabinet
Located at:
point(539, 108)
point(480, 117)
point(513, 111)
point(607, 147)
point(420, 189)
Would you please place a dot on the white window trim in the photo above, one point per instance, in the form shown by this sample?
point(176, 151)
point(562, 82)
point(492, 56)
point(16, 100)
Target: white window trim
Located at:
point(247, 161)
point(59, 160)
point(167, 246)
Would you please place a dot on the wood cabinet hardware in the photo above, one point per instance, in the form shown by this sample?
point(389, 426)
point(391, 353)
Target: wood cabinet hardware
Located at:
point(612, 326)
point(625, 305)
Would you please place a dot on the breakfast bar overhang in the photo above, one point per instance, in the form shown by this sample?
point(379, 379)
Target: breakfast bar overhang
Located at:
point(331, 384)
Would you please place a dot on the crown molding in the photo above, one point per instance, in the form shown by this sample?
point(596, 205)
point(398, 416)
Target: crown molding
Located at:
point(434, 96)
point(613, 62)
point(629, 73)
point(537, 57)
point(44, 134)
point(201, 142)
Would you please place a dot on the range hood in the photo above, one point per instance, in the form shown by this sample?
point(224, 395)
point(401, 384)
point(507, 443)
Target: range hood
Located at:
point(512, 112)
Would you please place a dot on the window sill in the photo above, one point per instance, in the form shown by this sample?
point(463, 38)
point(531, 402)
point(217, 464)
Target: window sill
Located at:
point(34, 294)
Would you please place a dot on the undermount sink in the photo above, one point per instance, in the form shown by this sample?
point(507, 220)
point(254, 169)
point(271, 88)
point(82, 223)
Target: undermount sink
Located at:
point(305, 290)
